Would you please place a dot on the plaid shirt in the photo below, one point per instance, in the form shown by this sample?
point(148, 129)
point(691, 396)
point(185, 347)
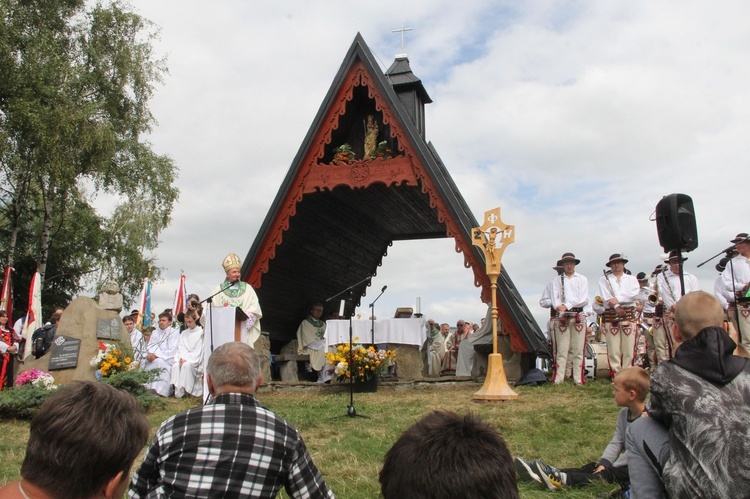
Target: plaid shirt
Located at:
point(231, 447)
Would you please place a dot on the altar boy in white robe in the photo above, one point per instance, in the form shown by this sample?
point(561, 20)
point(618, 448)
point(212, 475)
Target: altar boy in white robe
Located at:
point(187, 370)
point(160, 352)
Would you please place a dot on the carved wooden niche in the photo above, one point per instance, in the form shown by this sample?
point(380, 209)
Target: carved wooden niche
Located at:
point(361, 133)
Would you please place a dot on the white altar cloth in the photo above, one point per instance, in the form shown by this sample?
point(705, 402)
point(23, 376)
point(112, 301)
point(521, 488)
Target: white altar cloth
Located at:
point(397, 331)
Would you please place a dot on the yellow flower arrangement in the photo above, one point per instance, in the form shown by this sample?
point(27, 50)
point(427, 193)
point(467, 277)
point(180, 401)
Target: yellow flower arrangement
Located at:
point(110, 360)
point(367, 362)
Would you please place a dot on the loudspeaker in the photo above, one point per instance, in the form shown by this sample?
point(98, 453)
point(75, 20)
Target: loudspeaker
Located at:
point(675, 223)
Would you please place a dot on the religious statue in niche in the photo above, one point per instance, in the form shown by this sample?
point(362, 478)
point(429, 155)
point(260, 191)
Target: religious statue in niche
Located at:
point(371, 148)
point(371, 135)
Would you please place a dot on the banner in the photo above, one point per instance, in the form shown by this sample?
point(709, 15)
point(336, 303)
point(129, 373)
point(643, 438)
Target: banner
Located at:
point(180, 299)
point(34, 316)
point(144, 310)
point(6, 296)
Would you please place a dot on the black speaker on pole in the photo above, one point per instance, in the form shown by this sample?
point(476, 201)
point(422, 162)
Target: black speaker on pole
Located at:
point(675, 223)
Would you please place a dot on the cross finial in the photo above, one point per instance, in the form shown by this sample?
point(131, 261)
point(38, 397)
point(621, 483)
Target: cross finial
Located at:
point(401, 30)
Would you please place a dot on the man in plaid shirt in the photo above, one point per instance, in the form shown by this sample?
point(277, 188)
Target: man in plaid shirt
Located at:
point(231, 447)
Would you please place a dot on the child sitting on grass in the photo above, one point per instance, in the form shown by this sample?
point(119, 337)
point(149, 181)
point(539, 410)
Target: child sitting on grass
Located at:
point(631, 387)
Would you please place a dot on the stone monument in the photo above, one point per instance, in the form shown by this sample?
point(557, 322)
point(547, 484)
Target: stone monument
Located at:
point(110, 297)
point(82, 326)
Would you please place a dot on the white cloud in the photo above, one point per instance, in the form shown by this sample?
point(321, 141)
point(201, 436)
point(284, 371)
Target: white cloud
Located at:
point(575, 117)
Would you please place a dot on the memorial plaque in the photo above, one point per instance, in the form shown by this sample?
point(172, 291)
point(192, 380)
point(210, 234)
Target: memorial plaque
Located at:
point(108, 329)
point(64, 353)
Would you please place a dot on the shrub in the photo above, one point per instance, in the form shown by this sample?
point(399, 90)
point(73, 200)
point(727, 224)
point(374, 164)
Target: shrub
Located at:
point(132, 382)
point(22, 402)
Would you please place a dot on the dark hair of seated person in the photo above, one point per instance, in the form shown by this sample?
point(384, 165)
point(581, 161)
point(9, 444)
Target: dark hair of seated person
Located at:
point(445, 455)
point(81, 437)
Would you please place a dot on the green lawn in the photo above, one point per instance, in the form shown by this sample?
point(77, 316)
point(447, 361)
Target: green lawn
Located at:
point(563, 425)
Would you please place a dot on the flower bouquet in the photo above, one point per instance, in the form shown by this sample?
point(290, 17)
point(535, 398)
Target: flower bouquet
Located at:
point(35, 377)
point(110, 359)
point(343, 154)
point(381, 151)
point(366, 362)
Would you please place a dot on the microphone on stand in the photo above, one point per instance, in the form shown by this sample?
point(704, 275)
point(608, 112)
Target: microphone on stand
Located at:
point(383, 290)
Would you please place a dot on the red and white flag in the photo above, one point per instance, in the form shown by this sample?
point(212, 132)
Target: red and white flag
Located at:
point(34, 316)
point(6, 296)
point(180, 298)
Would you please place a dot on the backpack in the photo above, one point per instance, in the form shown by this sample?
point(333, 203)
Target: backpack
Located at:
point(41, 341)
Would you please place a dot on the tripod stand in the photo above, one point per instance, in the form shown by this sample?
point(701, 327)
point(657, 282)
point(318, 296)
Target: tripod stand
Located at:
point(351, 412)
point(372, 316)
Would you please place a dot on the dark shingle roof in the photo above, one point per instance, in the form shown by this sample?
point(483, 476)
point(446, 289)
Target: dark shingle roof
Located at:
point(322, 234)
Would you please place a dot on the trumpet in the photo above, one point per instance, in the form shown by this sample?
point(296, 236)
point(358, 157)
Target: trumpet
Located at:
point(598, 299)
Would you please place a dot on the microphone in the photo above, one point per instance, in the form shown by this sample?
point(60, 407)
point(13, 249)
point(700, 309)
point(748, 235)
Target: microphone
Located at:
point(383, 290)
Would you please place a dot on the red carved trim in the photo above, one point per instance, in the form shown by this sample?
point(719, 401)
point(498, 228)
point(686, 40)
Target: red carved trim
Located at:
point(404, 167)
point(360, 174)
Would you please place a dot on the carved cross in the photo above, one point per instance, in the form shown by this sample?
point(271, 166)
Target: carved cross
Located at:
point(493, 236)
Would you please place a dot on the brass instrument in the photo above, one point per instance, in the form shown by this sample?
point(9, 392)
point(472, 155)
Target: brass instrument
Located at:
point(598, 299)
point(653, 298)
point(609, 283)
point(562, 288)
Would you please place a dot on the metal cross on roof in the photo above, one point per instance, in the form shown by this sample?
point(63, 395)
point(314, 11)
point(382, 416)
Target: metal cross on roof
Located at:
point(401, 30)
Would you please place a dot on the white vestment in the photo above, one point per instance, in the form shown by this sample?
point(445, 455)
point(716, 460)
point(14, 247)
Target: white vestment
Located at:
point(465, 361)
point(311, 341)
point(241, 295)
point(139, 346)
point(436, 351)
point(188, 377)
point(163, 344)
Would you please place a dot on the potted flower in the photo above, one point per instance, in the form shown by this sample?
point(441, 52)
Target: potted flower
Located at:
point(362, 363)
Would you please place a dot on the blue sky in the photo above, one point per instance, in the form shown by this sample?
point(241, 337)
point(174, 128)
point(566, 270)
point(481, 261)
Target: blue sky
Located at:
point(574, 117)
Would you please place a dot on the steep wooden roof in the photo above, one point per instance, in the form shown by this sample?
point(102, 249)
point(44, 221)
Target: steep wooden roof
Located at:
point(332, 222)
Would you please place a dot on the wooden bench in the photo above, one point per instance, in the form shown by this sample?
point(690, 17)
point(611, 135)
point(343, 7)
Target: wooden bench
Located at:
point(288, 373)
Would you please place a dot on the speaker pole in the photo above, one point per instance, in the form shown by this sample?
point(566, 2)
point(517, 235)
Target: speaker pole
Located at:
point(682, 274)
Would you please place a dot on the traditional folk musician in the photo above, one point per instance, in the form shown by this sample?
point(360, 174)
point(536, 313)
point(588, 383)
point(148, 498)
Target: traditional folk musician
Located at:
point(668, 283)
point(736, 278)
point(619, 292)
point(644, 309)
point(570, 294)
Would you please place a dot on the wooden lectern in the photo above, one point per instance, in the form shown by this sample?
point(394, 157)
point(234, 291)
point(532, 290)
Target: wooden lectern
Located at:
point(227, 324)
point(221, 325)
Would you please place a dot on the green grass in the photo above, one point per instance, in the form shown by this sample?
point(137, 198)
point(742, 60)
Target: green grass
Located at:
point(563, 425)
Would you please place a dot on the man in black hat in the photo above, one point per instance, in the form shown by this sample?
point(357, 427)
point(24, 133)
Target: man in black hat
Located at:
point(570, 293)
point(668, 282)
point(619, 292)
point(736, 278)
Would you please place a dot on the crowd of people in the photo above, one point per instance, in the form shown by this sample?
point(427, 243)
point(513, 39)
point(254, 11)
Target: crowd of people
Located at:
point(675, 435)
point(636, 311)
point(175, 347)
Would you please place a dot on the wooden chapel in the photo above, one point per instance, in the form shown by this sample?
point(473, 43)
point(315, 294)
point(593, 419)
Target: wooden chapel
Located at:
point(364, 177)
